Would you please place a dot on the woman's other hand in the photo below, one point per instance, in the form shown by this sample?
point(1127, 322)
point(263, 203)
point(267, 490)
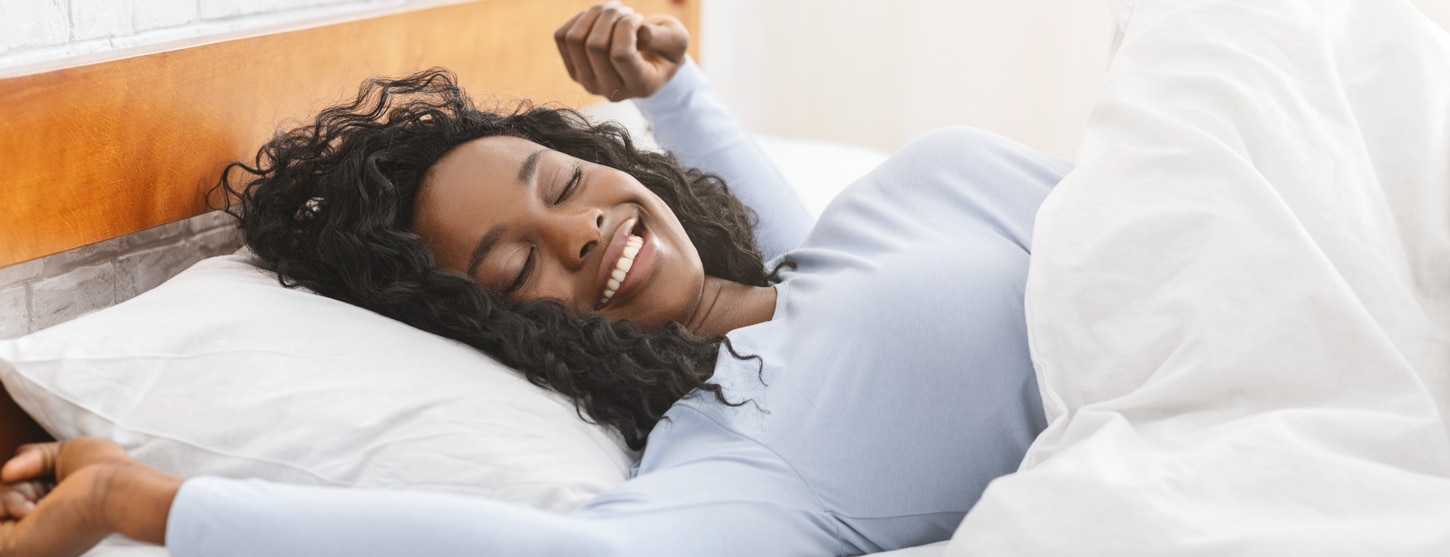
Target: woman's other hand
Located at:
point(98, 490)
point(619, 54)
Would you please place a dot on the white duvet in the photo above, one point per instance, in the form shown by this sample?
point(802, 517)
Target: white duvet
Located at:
point(1239, 302)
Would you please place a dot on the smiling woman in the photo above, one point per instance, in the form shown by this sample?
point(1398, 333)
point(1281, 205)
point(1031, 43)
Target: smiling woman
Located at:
point(752, 362)
point(456, 221)
point(559, 228)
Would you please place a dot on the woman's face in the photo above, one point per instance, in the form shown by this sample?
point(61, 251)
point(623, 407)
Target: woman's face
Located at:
point(535, 223)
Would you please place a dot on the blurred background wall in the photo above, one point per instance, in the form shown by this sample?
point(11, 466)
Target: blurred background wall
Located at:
point(878, 73)
point(868, 72)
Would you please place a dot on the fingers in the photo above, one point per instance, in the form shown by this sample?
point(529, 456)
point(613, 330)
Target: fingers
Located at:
point(664, 36)
point(561, 39)
point(66, 521)
point(624, 54)
point(572, 46)
point(616, 53)
point(31, 462)
point(17, 500)
point(598, 49)
point(58, 460)
point(599, 46)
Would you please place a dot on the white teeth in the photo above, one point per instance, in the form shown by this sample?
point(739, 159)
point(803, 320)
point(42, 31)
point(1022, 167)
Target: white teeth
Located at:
point(632, 246)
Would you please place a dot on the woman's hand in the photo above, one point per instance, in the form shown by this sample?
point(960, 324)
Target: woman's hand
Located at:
point(619, 54)
point(98, 490)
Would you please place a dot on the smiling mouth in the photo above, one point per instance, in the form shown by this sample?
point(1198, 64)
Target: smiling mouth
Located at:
point(632, 245)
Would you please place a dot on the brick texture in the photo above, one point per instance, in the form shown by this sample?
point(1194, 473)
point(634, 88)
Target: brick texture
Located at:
point(160, 14)
point(14, 315)
point(214, 219)
point(41, 31)
point(166, 233)
point(82, 290)
point(18, 274)
point(25, 23)
point(95, 19)
point(55, 289)
point(143, 270)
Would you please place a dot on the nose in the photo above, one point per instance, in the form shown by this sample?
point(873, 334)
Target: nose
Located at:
point(575, 235)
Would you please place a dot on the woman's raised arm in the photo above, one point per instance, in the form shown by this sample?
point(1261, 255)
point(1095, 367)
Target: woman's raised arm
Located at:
point(619, 54)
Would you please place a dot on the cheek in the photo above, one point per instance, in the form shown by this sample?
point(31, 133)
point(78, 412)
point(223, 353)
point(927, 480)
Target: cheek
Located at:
point(673, 292)
point(687, 278)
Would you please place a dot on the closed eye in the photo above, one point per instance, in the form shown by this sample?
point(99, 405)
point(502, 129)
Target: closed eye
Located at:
point(523, 273)
point(569, 187)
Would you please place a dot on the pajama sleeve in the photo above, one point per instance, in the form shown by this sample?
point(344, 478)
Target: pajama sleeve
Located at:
point(691, 123)
point(215, 517)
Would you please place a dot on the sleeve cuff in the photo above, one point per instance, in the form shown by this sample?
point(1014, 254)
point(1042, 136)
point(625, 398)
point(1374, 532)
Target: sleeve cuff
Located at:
point(676, 92)
point(180, 531)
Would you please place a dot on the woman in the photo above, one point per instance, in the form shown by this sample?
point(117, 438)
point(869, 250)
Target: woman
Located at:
point(874, 375)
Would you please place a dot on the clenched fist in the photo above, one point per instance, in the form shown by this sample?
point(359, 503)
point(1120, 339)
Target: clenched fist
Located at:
point(619, 54)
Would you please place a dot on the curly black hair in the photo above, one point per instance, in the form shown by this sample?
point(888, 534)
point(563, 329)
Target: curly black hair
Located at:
point(328, 206)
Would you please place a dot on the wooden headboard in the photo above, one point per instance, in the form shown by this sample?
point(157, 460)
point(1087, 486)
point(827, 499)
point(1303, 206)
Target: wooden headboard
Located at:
point(107, 146)
point(103, 149)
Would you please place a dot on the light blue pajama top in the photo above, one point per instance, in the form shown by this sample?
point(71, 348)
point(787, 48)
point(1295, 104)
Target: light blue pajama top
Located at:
point(894, 384)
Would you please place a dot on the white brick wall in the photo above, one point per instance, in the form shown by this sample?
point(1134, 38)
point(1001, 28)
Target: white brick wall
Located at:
point(160, 14)
point(42, 31)
point(100, 19)
point(54, 289)
point(33, 23)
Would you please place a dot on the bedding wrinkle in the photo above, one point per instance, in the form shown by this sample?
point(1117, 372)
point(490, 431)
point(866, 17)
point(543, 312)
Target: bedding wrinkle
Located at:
point(29, 394)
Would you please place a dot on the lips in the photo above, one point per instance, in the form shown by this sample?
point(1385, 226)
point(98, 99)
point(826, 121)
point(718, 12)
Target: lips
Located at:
point(622, 268)
point(618, 267)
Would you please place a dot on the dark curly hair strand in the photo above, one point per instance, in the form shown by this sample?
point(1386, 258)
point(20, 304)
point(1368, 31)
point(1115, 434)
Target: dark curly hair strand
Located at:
point(328, 206)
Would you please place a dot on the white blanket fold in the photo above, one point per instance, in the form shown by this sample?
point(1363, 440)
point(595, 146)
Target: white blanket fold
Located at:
point(1239, 303)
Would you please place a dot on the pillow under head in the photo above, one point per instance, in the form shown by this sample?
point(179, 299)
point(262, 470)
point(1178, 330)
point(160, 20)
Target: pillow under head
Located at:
point(222, 371)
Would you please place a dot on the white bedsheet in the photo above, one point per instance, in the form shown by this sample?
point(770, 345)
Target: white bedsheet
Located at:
point(1239, 303)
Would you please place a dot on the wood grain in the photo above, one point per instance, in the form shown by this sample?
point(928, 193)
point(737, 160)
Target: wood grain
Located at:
point(97, 151)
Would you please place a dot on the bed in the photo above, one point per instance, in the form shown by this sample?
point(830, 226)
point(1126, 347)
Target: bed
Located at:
point(1239, 311)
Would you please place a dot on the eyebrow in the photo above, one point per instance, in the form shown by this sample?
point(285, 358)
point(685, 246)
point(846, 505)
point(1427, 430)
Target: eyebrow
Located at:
point(531, 166)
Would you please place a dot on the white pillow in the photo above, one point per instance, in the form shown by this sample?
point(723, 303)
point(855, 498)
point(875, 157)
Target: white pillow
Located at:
point(221, 371)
